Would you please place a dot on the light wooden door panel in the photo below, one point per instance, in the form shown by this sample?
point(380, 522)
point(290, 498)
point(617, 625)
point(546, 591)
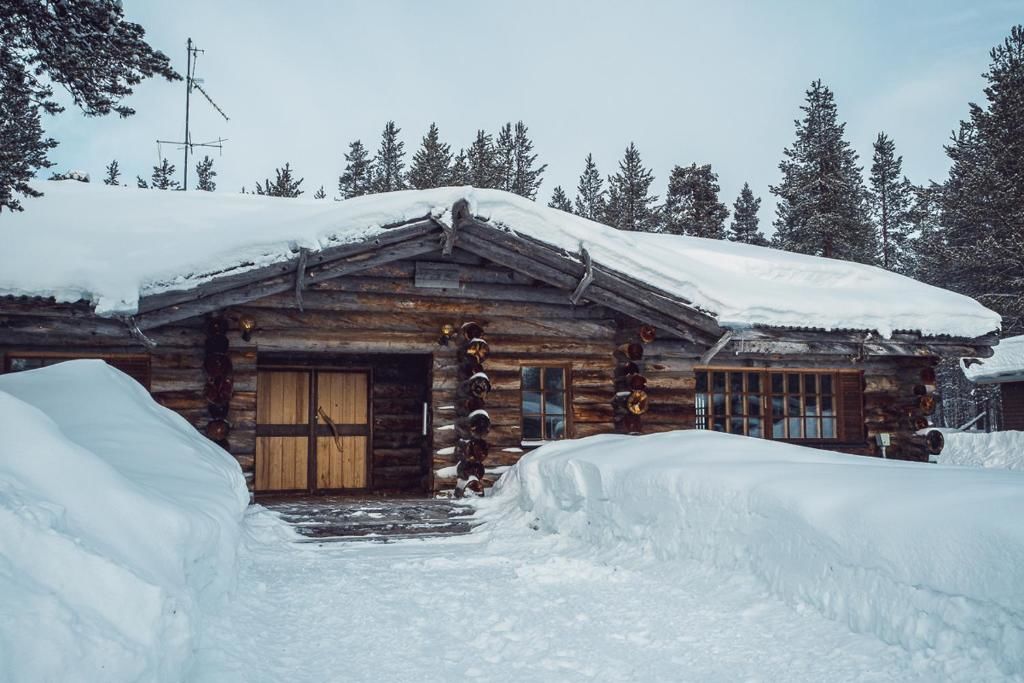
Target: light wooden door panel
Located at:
point(342, 457)
point(281, 463)
point(282, 397)
point(341, 462)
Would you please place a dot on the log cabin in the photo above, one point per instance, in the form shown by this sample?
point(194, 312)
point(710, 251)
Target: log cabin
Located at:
point(1005, 368)
point(421, 341)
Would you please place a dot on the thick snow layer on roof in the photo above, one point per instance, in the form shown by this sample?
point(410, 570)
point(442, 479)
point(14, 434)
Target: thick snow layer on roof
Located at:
point(1005, 365)
point(922, 556)
point(110, 245)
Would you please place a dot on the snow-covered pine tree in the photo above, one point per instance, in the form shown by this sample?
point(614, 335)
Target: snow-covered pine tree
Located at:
point(460, 170)
point(822, 206)
point(88, 49)
point(431, 165)
point(745, 223)
point(982, 201)
point(163, 176)
point(691, 203)
point(80, 176)
point(206, 174)
point(481, 160)
point(357, 179)
point(23, 149)
point(113, 174)
point(559, 200)
point(320, 194)
point(504, 158)
point(590, 193)
point(890, 197)
point(527, 175)
point(284, 185)
point(629, 206)
point(143, 185)
point(388, 165)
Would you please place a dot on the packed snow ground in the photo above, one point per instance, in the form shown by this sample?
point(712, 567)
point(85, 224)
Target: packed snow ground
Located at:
point(110, 245)
point(1001, 450)
point(119, 526)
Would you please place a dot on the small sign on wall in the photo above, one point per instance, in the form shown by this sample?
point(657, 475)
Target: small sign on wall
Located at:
point(437, 275)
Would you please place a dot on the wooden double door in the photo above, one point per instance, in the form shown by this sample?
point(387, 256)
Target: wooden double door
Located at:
point(312, 430)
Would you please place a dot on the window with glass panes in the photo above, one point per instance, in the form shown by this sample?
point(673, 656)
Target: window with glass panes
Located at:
point(788, 404)
point(544, 401)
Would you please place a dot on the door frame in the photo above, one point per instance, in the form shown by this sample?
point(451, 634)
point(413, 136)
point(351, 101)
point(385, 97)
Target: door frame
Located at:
point(314, 369)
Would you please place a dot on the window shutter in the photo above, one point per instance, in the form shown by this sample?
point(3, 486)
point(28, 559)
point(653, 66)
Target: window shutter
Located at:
point(851, 406)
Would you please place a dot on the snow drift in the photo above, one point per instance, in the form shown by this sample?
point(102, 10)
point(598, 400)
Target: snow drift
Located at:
point(1001, 450)
point(927, 557)
point(119, 523)
point(110, 245)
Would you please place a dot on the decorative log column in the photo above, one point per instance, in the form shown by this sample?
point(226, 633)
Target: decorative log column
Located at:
point(924, 442)
point(219, 381)
point(472, 422)
point(630, 401)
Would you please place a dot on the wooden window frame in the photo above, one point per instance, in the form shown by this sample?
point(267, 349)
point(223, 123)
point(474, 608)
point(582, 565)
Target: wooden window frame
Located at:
point(567, 397)
point(59, 356)
point(844, 434)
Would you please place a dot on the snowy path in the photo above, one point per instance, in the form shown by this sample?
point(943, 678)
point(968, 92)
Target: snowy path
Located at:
point(520, 607)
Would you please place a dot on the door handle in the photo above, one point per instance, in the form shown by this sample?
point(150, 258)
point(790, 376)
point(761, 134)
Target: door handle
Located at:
point(330, 423)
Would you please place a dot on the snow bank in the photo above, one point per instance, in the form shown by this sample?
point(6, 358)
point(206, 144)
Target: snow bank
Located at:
point(110, 245)
point(119, 523)
point(924, 556)
point(1002, 450)
point(1005, 365)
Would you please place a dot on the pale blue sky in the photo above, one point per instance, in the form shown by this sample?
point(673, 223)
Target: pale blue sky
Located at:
point(687, 81)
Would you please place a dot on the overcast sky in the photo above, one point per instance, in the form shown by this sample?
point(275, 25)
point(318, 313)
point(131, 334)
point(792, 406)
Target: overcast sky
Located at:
point(703, 82)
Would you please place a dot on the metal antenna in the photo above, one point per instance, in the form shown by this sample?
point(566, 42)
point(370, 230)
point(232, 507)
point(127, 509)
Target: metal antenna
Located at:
point(192, 55)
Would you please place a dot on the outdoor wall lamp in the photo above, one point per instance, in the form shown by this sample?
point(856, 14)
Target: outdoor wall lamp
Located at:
point(247, 324)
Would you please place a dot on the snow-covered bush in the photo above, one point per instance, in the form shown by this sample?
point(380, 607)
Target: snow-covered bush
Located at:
point(927, 557)
point(1003, 450)
point(119, 525)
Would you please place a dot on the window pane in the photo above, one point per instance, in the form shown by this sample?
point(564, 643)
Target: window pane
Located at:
point(777, 383)
point(779, 428)
point(826, 384)
point(810, 384)
point(531, 428)
point(753, 383)
point(811, 425)
point(554, 379)
point(719, 404)
point(702, 382)
point(718, 423)
point(553, 401)
point(793, 405)
point(554, 428)
point(736, 425)
point(531, 402)
point(794, 428)
point(828, 427)
point(826, 405)
point(736, 404)
point(531, 378)
point(702, 411)
point(793, 384)
point(718, 381)
point(736, 382)
point(753, 405)
point(778, 406)
point(810, 407)
point(754, 427)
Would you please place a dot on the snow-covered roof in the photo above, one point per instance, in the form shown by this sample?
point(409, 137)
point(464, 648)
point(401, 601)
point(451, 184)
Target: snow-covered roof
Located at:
point(111, 245)
point(1005, 365)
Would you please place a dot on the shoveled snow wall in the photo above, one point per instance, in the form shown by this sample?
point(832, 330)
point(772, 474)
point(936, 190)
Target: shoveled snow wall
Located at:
point(927, 557)
point(1001, 450)
point(119, 526)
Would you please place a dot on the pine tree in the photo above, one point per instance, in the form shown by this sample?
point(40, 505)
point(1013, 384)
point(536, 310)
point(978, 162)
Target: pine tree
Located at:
point(504, 159)
point(527, 175)
point(982, 201)
point(629, 206)
point(388, 175)
point(590, 194)
point(284, 185)
point(113, 174)
point(80, 176)
point(745, 222)
point(481, 161)
point(206, 174)
point(559, 200)
point(431, 165)
point(357, 179)
point(88, 49)
point(320, 194)
point(822, 207)
point(163, 176)
point(460, 174)
point(143, 185)
point(691, 203)
point(890, 198)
